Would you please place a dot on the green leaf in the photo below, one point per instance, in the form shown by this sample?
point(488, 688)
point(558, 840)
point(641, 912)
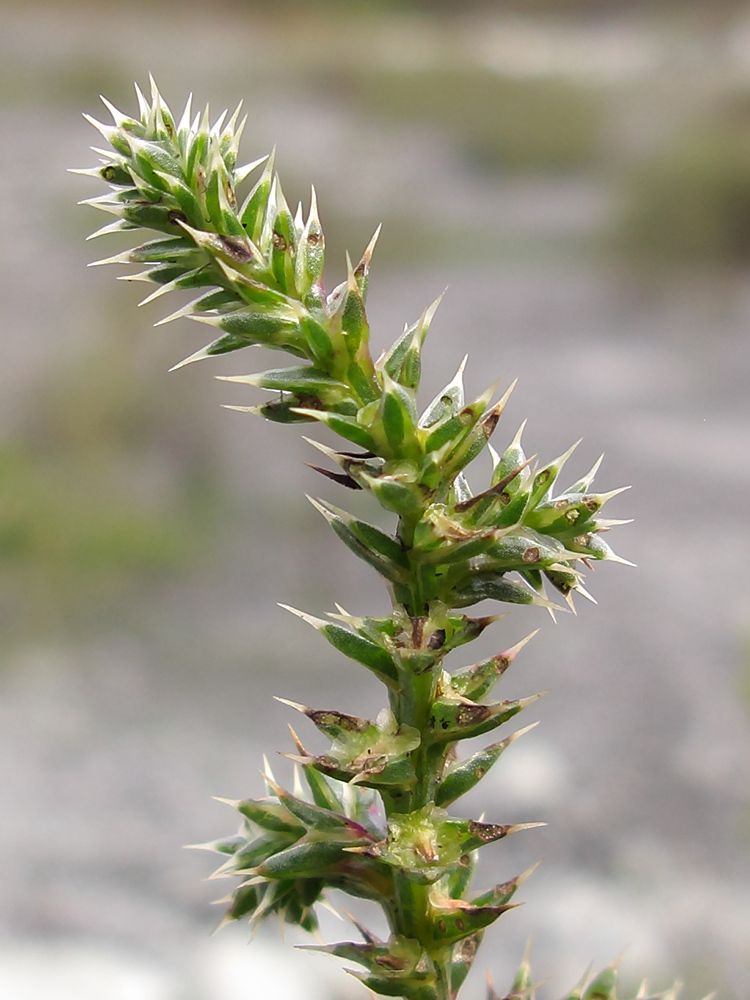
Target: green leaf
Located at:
point(502, 893)
point(448, 553)
point(305, 859)
point(447, 435)
point(152, 158)
point(362, 270)
point(494, 587)
point(147, 215)
point(396, 774)
point(544, 480)
point(392, 359)
point(352, 316)
point(185, 199)
point(523, 549)
point(584, 484)
point(268, 815)
point(455, 920)
point(345, 427)
point(319, 340)
point(361, 379)
point(404, 363)
point(464, 954)
point(254, 853)
point(448, 401)
point(595, 547)
point(253, 211)
point(283, 412)
point(476, 681)
point(513, 457)
point(604, 986)
point(281, 241)
point(462, 629)
point(324, 822)
point(257, 327)
point(222, 345)
point(321, 789)
point(356, 647)
point(454, 720)
point(563, 515)
point(564, 581)
point(337, 726)
point(244, 901)
point(396, 419)
point(176, 250)
point(402, 498)
point(237, 251)
point(464, 775)
point(398, 957)
point(310, 258)
point(303, 380)
point(359, 533)
point(367, 542)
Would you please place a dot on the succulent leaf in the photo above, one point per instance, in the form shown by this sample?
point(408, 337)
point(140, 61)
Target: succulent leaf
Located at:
point(452, 720)
point(462, 777)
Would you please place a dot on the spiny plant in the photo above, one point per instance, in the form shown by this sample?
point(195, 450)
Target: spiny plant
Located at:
point(374, 818)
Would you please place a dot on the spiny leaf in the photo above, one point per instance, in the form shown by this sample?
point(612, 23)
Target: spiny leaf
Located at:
point(373, 546)
point(477, 680)
point(463, 776)
point(357, 648)
point(451, 720)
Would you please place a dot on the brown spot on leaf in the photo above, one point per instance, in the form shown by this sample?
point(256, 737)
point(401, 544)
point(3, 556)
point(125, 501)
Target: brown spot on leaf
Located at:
point(487, 832)
point(388, 961)
point(490, 422)
point(236, 249)
point(327, 719)
point(437, 639)
point(417, 630)
point(502, 662)
point(531, 555)
point(175, 216)
point(469, 714)
point(468, 948)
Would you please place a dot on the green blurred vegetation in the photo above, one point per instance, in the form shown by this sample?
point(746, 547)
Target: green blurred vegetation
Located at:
point(743, 675)
point(500, 123)
point(690, 203)
point(99, 497)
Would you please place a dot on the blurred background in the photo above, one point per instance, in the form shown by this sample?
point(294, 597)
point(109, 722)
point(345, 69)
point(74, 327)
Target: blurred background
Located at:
point(578, 175)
